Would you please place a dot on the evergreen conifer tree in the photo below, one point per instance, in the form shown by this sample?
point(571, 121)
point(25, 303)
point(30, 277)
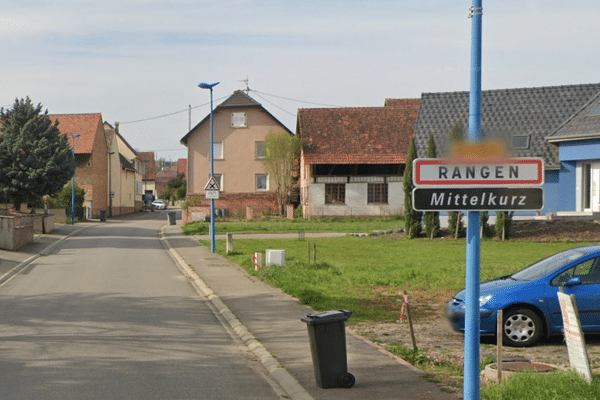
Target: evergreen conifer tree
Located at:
point(455, 223)
point(432, 218)
point(35, 159)
point(503, 224)
point(412, 218)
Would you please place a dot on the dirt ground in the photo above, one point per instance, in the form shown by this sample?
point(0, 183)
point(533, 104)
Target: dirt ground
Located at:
point(435, 337)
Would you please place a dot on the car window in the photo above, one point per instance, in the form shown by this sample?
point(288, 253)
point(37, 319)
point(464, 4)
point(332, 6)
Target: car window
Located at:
point(588, 271)
point(547, 265)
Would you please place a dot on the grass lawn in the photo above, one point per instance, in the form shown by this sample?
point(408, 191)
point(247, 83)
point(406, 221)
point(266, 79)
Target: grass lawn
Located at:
point(365, 274)
point(554, 386)
point(297, 225)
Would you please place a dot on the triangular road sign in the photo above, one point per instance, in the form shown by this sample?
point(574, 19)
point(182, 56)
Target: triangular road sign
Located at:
point(212, 184)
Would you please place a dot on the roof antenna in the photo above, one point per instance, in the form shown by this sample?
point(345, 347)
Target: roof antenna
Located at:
point(247, 87)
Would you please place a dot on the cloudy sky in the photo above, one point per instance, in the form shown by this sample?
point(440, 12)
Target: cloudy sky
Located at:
point(135, 60)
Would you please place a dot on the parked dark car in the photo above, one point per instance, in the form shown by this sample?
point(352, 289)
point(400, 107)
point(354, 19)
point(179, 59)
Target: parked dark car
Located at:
point(159, 204)
point(529, 298)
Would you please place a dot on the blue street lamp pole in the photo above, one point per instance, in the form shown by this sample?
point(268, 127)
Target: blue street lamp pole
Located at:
point(212, 164)
point(73, 185)
point(472, 323)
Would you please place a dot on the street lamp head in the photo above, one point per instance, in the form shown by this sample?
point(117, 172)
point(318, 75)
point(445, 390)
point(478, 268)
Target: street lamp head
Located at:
point(207, 85)
point(75, 136)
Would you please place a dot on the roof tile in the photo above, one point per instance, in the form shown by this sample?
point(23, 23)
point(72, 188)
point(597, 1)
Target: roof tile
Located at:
point(85, 125)
point(527, 111)
point(361, 135)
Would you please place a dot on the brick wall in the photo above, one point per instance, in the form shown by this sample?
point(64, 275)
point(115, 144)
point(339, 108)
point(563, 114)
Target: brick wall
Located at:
point(235, 204)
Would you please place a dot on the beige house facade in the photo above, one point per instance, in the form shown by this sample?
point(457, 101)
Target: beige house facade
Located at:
point(131, 194)
point(125, 173)
point(240, 127)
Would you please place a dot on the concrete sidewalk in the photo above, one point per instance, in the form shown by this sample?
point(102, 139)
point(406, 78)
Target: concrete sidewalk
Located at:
point(11, 262)
point(268, 321)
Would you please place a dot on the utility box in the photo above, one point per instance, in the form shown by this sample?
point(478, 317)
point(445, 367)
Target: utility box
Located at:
point(275, 257)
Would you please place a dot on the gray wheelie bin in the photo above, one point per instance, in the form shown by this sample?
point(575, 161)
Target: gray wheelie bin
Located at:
point(327, 336)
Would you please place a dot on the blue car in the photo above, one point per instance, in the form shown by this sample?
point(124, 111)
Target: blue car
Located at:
point(529, 298)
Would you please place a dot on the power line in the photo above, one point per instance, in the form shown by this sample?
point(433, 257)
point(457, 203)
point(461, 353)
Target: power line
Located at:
point(299, 101)
point(156, 151)
point(275, 105)
point(169, 114)
point(258, 94)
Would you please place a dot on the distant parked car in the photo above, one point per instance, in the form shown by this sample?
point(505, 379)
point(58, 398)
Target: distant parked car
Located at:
point(159, 204)
point(529, 298)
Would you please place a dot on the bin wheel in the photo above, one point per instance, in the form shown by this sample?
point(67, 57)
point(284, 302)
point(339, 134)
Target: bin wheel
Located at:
point(346, 380)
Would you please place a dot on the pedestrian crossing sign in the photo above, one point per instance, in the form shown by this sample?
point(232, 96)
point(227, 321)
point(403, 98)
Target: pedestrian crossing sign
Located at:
point(212, 184)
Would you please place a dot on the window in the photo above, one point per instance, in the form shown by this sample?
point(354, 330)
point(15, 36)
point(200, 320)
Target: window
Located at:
point(520, 142)
point(238, 120)
point(217, 150)
point(377, 193)
point(588, 271)
point(260, 149)
point(587, 187)
point(335, 193)
point(262, 182)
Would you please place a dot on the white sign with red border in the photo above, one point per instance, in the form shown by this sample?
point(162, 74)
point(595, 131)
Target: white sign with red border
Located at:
point(507, 172)
point(212, 184)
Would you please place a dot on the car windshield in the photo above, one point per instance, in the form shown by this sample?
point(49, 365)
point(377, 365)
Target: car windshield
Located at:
point(547, 265)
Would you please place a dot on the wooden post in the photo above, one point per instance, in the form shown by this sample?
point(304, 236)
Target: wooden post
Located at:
point(499, 334)
point(410, 325)
point(315, 253)
point(229, 248)
point(308, 241)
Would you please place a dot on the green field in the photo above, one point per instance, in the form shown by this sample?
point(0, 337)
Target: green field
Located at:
point(365, 274)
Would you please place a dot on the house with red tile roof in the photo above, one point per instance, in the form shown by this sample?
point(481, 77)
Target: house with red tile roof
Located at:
point(182, 167)
point(163, 177)
point(353, 159)
point(91, 155)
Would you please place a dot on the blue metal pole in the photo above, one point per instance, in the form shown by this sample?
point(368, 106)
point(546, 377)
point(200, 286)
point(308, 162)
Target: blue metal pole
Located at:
point(73, 185)
point(472, 324)
point(73, 201)
point(212, 164)
point(212, 174)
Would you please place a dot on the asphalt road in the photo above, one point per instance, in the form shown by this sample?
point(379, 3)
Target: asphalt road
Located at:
point(107, 315)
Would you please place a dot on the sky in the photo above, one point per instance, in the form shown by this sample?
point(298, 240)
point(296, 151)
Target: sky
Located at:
point(139, 62)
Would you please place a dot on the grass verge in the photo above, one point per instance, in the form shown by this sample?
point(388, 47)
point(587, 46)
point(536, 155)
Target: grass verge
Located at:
point(297, 225)
point(550, 386)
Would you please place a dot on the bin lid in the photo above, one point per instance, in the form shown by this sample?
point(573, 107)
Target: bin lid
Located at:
point(326, 317)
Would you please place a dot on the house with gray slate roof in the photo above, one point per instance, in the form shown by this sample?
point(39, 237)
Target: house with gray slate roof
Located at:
point(578, 142)
point(545, 122)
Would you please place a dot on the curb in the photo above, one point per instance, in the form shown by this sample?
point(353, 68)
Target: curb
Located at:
point(275, 369)
point(4, 278)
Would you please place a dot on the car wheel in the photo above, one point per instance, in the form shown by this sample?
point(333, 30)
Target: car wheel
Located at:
point(521, 328)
